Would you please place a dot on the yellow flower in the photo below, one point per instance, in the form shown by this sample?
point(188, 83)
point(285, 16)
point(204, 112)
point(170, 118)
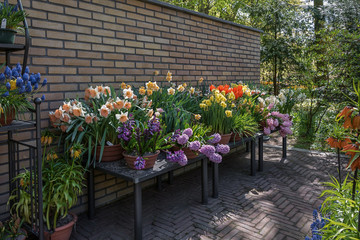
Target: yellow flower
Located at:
point(171, 91)
point(201, 80)
point(184, 85)
point(169, 76)
point(142, 91)
point(149, 92)
point(233, 105)
point(12, 85)
point(223, 92)
point(77, 154)
point(180, 88)
point(231, 96)
point(228, 113)
point(212, 98)
point(223, 104)
point(192, 90)
point(202, 105)
point(208, 102)
point(123, 85)
point(156, 73)
point(128, 86)
point(197, 116)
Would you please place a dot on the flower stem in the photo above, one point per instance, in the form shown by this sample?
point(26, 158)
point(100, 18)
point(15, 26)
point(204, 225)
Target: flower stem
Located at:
point(339, 166)
point(354, 184)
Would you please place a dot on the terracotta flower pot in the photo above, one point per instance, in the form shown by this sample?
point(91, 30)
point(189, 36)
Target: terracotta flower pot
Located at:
point(149, 160)
point(225, 138)
point(189, 153)
point(110, 153)
point(235, 137)
point(63, 232)
point(10, 116)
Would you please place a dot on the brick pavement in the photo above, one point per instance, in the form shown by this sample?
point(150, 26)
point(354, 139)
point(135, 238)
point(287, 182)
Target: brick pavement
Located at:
point(275, 204)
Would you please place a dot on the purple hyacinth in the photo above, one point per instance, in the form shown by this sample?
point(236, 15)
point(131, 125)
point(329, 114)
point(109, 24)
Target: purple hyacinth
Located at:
point(183, 139)
point(194, 146)
point(125, 130)
point(175, 135)
point(215, 157)
point(223, 148)
point(207, 150)
point(267, 131)
point(188, 132)
point(178, 157)
point(276, 123)
point(139, 163)
point(170, 157)
point(215, 138)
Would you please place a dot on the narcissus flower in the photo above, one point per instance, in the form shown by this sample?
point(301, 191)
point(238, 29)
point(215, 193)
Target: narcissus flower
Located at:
point(122, 117)
point(128, 93)
point(142, 91)
point(169, 76)
point(171, 91)
point(123, 85)
point(228, 113)
point(180, 88)
point(192, 90)
point(197, 116)
point(104, 111)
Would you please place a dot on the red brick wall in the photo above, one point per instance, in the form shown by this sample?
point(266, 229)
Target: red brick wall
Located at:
point(77, 43)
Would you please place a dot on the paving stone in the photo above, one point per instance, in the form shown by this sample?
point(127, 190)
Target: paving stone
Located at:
point(275, 204)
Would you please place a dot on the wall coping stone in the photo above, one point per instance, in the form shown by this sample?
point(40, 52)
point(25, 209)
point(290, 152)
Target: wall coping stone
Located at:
point(168, 5)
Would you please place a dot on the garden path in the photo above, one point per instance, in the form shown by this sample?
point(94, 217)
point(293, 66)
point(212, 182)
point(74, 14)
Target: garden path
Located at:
point(275, 204)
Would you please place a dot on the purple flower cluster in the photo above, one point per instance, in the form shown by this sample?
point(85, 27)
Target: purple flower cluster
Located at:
point(153, 127)
point(194, 146)
point(215, 138)
point(139, 163)
point(125, 131)
point(182, 139)
point(317, 226)
point(214, 153)
point(272, 122)
point(25, 83)
point(175, 135)
point(188, 132)
point(178, 157)
point(223, 148)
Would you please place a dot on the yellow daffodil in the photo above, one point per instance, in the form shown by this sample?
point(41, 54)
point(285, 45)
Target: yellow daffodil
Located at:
point(123, 85)
point(231, 96)
point(208, 102)
point(228, 113)
point(142, 91)
point(223, 104)
point(169, 76)
point(149, 92)
point(197, 116)
point(212, 98)
point(202, 105)
point(201, 80)
point(233, 105)
point(184, 85)
point(156, 73)
point(192, 90)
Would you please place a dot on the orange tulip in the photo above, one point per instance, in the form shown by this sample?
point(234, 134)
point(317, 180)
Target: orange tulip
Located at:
point(212, 87)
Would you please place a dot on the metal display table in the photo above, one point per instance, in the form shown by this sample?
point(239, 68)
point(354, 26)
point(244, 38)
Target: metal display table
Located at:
point(119, 169)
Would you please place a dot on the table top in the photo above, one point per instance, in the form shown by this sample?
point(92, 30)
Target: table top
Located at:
point(120, 169)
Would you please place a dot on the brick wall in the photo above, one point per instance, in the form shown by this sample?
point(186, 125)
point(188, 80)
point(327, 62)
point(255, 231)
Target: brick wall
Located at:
point(77, 43)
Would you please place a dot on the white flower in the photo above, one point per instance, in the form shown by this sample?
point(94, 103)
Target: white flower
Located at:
point(128, 93)
point(122, 117)
point(282, 97)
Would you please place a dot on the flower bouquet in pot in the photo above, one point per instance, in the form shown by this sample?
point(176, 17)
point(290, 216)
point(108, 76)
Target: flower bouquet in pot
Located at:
point(62, 179)
point(142, 142)
point(186, 143)
point(16, 91)
point(217, 113)
point(11, 17)
point(94, 122)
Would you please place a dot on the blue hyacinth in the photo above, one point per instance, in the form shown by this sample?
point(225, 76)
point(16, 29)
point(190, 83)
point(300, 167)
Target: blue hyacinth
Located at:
point(316, 226)
point(44, 82)
point(27, 70)
point(26, 77)
point(43, 97)
point(19, 82)
point(8, 72)
point(32, 79)
point(2, 77)
point(15, 73)
point(8, 86)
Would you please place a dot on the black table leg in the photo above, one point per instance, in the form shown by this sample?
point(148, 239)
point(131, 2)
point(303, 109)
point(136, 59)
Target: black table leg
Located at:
point(91, 194)
point(252, 163)
point(138, 211)
point(171, 177)
point(261, 154)
point(158, 183)
point(284, 146)
point(247, 147)
point(204, 180)
point(215, 167)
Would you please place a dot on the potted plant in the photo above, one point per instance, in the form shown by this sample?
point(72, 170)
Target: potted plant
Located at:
point(62, 177)
point(16, 90)
point(94, 122)
point(245, 125)
point(217, 113)
point(11, 17)
point(11, 229)
point(142, 142)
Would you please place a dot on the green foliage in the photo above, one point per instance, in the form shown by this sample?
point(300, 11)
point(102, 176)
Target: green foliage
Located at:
point(11, 229)
point(245, 125)
point(341, 210)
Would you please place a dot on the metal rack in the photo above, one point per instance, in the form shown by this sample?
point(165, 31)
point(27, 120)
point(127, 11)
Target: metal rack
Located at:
point(32, 163)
